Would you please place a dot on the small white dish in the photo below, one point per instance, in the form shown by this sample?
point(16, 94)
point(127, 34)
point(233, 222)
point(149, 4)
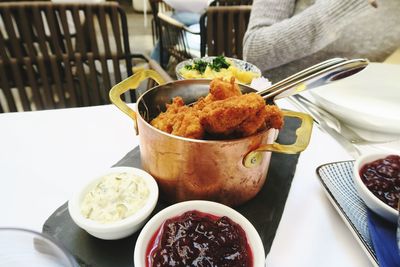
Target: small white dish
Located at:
point(367, 100)
point(372, 202)
point(209, 207)
point(121, 228)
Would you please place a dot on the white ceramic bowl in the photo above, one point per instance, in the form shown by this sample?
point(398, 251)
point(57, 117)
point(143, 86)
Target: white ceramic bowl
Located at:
point(209, 207)
point(372, 202)
point(240, 64)
point(118, 229)
point(367, 100)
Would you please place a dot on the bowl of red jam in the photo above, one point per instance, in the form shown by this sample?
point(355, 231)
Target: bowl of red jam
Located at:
point(377, 181)
point(199, 233)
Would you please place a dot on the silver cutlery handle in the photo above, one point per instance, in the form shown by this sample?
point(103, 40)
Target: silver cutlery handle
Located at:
point(320, 75)
point(301, 74)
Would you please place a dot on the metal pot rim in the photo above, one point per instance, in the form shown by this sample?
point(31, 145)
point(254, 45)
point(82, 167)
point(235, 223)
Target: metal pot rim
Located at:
point(265, 131)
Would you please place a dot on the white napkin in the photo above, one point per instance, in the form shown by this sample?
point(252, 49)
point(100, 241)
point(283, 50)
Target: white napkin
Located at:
point(260, 83)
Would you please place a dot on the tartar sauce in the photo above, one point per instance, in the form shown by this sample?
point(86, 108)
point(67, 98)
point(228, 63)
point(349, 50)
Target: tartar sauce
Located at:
point(115, 197)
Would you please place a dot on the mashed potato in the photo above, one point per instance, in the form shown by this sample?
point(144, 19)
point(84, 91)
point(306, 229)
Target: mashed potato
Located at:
point(210, 72)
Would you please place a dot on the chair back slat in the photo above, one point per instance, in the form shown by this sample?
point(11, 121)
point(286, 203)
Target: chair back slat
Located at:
point(17, 77)
point(41, 38)
point(81, 30)
point(116, 30)
point(102, 18)
point(33, 83)
point(6, 90)
point(243, 22)
point(123, 35)
point(117, 71)
point(83, 94)
point(90, 20)
point(13, 43)
point(25, 33)
point(64, 16)
point(106, 83)
point(3, 48)
point(44, 77)
point(54, 35)
point(58, 85)
point(230, 38)
point(69, 84)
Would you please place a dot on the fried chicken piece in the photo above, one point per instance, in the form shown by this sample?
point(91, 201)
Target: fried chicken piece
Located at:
point(274, 117)
point(179, 120)
point(220, 89)
point(187, 124)
point(237, 114)
point(201, 103)
point(165, 120)
point(252, 124)
point(224, 111)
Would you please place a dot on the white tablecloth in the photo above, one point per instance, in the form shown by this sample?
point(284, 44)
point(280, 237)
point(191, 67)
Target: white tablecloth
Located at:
point(46, 155)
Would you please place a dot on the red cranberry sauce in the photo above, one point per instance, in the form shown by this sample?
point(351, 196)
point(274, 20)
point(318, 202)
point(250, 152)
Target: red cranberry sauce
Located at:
point(382, 178)
point(199, 239)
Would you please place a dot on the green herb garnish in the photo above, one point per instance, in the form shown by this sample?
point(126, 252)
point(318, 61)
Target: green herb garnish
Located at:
point(200, 65)
point(219, 63)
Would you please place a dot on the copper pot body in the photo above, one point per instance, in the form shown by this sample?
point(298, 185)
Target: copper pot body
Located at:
point(188, 169)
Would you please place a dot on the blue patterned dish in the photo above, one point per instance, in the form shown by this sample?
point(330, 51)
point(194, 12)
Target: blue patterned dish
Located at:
point(337, 180)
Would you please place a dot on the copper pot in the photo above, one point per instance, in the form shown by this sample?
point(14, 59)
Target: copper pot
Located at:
point(226, 171)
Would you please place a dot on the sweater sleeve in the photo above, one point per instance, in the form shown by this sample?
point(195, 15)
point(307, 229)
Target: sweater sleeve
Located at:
point(273, 39)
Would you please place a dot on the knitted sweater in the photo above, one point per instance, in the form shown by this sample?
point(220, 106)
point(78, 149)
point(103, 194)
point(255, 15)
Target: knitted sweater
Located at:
point(276, 35)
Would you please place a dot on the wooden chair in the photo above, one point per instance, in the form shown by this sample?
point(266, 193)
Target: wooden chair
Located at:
point(57, 55)
point(174, 38)
point(222, 30)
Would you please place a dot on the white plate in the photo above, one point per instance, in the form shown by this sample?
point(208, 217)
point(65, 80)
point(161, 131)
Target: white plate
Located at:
point(368, 100)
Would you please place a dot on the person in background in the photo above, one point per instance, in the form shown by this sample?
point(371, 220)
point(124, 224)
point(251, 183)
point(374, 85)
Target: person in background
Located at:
point(296, 34)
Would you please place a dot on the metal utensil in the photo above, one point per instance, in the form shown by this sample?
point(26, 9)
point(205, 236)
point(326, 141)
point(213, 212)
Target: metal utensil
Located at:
point(302, 74)
point(353, 143)
point(341, 127)
point(332, 121)
point(331, 127)
point(315, 76)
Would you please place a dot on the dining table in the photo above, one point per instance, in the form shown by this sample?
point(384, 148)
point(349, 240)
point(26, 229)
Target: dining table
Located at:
point(45, 156)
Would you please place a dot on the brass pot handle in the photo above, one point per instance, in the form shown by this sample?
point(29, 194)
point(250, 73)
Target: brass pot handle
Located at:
point(132, 83)
point(303, 133)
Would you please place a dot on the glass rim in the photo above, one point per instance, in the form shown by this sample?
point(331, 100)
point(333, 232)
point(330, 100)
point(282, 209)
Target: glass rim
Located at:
point(47, 237)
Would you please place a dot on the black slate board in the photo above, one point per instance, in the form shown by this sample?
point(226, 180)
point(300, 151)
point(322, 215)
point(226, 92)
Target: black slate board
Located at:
point(264, 212)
